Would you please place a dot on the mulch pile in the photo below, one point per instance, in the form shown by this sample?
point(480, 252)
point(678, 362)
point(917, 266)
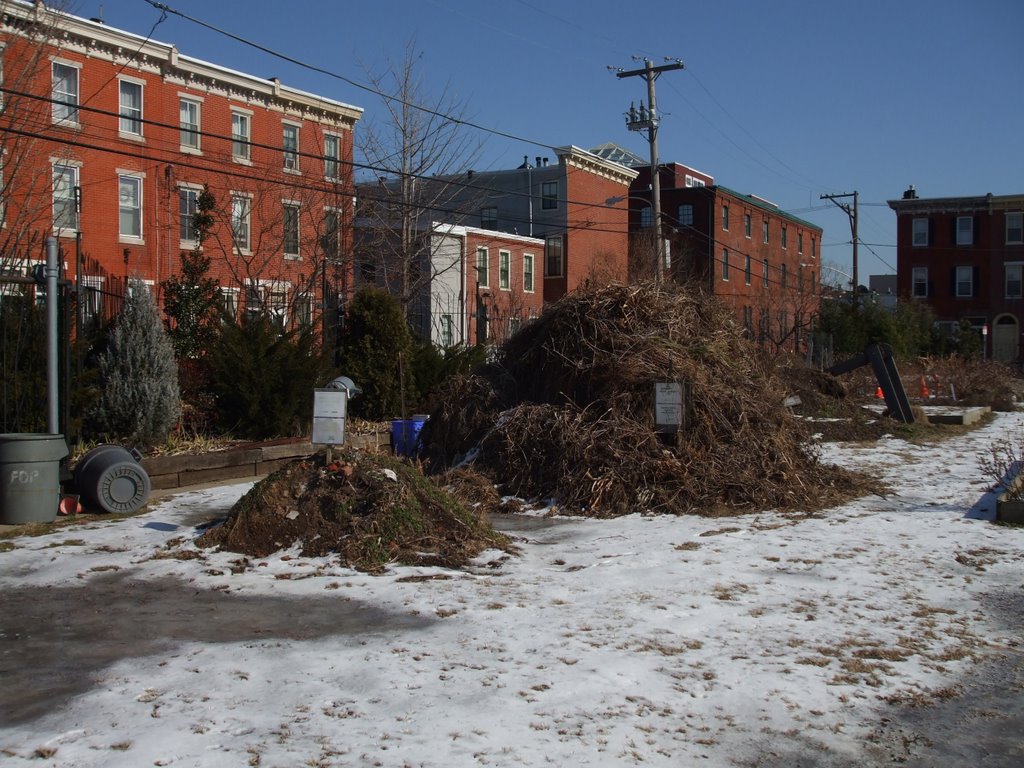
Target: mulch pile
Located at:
point(369, 508)
point(566, 413)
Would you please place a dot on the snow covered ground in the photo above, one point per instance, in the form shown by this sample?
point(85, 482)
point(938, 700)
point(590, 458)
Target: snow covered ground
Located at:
point(887, 630)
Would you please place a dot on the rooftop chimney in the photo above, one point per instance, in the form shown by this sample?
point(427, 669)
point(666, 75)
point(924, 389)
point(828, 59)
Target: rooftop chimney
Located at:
point(910, 194)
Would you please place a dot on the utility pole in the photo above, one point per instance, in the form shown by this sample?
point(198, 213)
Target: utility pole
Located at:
point(647, 120)
point(851, 212)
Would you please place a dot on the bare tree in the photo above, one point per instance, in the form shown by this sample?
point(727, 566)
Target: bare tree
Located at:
point(421, 136)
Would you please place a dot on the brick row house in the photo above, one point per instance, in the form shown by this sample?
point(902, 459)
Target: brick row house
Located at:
point(964, 257)
point(760, 260)
point(525, 236)
point(108, 139)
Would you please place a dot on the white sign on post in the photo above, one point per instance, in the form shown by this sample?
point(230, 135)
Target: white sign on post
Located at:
point(668, 406)
point(330, 408)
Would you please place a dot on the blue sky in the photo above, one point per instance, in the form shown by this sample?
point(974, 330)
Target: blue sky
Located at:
point(786, 100)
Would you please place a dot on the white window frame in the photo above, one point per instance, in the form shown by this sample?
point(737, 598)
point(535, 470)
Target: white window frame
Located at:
point(135, 179)
point(919, 283)
point(190, 137)
point(65, 112)
point(919, 232)
point(529, 273)
point(552, 244)
point(241, 141)
point(229, 301)
point(295, 209)
point(194, 191)
point(967, 270)
point(504, 270)
point(1014, 268)
point(129, 120)
point(483, 272)
point(332, 156)
point(965, 230)
point(241, 215)
point(290, 153)
point(74, 169)
point(1015, 228)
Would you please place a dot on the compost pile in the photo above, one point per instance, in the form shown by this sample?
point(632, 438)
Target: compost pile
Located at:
point(369, 508)
point(566, 413)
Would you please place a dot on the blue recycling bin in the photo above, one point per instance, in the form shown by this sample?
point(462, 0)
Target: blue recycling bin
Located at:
point(405, 435)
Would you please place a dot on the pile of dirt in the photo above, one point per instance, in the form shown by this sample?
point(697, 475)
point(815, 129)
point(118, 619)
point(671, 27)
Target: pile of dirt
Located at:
point(369, 508)
point(566, 412)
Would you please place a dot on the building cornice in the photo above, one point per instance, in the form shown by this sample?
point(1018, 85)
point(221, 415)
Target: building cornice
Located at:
point(94, 39)
point(587, 161)
point(969, 204)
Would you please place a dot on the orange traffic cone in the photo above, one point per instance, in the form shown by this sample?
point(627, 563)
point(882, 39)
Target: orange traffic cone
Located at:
point(879, 394)
point(925, 394)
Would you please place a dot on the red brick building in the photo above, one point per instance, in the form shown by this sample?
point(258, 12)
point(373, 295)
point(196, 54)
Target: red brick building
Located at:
point(108, 138)
point(760, 260)
point(964, 257)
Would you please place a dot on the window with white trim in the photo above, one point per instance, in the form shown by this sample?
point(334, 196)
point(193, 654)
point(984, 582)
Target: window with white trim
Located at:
point(1013, 281)
point(241, 131)
point(919, 282)
point(290, 138)
point(553, 256)
point(130, 107)
point(965, 230)
point(332, 156)
point(504, 270)
point(65, 203)
point(189, 112)
point(965, 281)
point(528, 273)
point(229, 302)
point(240, 222)
point(920, 232)
point(483, 277)
point(129, 201)
point(188, 204)
point(291, 230)
point(65, 93)
point(1015, 228)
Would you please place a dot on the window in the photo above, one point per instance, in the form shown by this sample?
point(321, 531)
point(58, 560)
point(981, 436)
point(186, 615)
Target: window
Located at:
point(291, 231)
point(187, 206)
point(130, 121)
point(748, 319)
point(799, 242)
point(920, 232)
point(764, 273)
point(489, 217)
point(685, 216)
point(746, 269)
point(1014, 228)
point(240, 220)
point(814, 248)
point(965, 230)
point(725, 265)
point(746, 225)
point(303, 310)
point(553, 266)
point(646, 216)
point(725, 218)
point(965, 281)
point(783, 275)
point(332, 232)
point(332, 156)
point(240, 130)
point(764, 230)
point(549, 195)
point(514, 324)
point(65, 93)
point(291, 147)
point(504, 270)
point(528, 272)
point(1013, 281)
point(483, 278)
point(278, 301)
point(65, 197)
point(229, 302)
point(188, 119)
point(129, 195)
point(447, 335)
point(784, 237)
